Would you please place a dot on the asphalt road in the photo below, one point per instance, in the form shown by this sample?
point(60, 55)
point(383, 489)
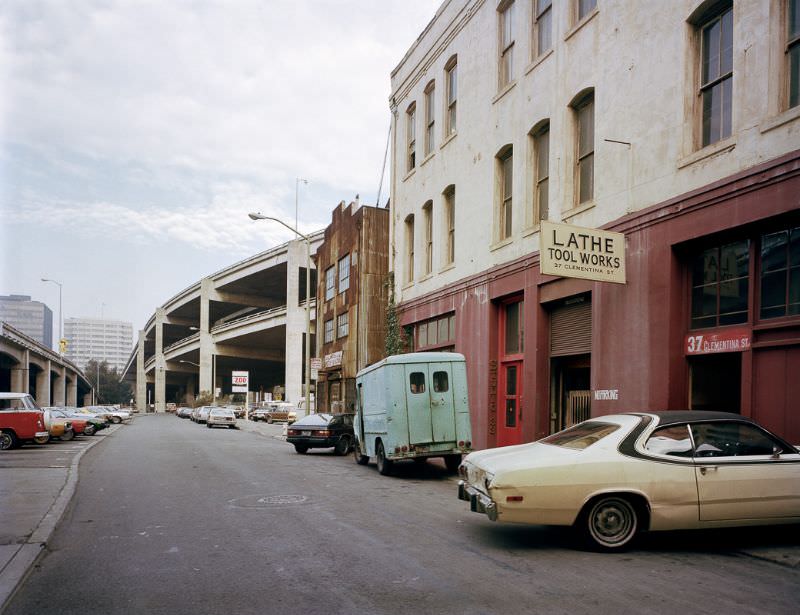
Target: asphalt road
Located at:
point(171, 517)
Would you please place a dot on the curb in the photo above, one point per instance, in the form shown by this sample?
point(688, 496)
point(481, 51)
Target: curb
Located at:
point(14, 573)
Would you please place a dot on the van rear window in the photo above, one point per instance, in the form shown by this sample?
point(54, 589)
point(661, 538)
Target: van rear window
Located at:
point(417, 382)
point(440, 382)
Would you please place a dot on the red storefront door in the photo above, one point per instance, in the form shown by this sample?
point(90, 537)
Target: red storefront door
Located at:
point(510, 395)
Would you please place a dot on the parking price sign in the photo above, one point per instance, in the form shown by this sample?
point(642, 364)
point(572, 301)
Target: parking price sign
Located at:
point(239, 382)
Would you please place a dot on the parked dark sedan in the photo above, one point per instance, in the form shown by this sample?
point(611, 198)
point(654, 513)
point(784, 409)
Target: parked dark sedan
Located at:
point(322, 431)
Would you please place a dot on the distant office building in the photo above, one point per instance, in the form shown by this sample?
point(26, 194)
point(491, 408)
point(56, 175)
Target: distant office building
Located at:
point(102, 340)
point(33, 318)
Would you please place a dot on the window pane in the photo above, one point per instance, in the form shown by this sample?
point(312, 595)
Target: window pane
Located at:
point(586, 129)
point(712, 114)
point(673, 440)
point(452, 85)
point(512, 328)
point(585, 7)
point(711, 39)
point(794, 246)
point(704, 301)
point(794, 18)
point(727, 108)
point(731, 439)
point(433, 337)
point(735, 260)
point(543, 196)
point(704, 268)
point(773, 294)
point(794, 291)
point(794, 76)
point(544, 31)
point(444, 330)
point(511, 380)
point(422, 335)
point(452, 328)
point(417, 382)
point(507, 176)
point(586, 179)
point(726, 43)
point(511, 412)
point(733, 297)
point(774, 251)
point(542, 143)
point(440, 382)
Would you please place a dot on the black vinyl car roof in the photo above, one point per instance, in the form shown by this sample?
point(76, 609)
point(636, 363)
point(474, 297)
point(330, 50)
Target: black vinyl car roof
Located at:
point(673, 417)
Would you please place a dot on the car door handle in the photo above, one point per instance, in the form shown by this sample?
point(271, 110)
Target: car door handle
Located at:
point(706, 469)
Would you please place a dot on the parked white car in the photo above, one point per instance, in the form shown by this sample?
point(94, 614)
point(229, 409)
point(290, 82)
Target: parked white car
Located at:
point(225, 417)
point(613, 476)
point(111, 414)
point(200, 415)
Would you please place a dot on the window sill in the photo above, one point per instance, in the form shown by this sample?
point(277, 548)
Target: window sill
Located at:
point(720, 147)
point(780, 119)
point(536, 61)
point(448, 267)
point(407, 285)
point(426, 277)
point(426, 159)
point(501, 244)
point(448, 138)
point(531, 230)
point(410, 173)
point(579, 26)
point(508, 87)
point(571, 213)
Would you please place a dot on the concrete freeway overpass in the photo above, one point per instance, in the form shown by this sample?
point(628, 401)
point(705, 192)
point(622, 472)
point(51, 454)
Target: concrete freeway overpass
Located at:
point(26, 366)
point(249, 316)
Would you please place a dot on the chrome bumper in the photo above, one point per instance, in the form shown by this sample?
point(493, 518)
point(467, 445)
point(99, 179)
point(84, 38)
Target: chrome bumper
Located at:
point(478, 502)
point(41, 434)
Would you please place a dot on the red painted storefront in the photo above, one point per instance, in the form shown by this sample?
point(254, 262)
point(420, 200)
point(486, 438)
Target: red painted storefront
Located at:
point(655, 343)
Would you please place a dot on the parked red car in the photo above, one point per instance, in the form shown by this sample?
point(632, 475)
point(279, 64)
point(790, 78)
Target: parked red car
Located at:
point(20, 420)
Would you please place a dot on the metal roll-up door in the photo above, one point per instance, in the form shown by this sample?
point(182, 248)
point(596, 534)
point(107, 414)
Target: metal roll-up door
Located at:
point(571, 329)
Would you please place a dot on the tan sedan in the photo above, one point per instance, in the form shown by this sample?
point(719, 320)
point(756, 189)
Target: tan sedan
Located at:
point(613, 476)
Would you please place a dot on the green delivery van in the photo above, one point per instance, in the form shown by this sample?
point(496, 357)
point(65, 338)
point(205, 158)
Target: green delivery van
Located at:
point(413, 406)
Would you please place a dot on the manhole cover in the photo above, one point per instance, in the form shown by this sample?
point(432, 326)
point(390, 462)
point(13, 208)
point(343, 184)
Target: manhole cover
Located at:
point(267, 501)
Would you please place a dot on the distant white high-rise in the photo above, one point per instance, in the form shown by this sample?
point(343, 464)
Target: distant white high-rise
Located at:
point(102, 340)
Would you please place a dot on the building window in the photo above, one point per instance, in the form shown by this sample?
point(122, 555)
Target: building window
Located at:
point(450, 224)
point(451, 83)
point(411, 138)
point(342, 324)
point(793, 51)
point(585, 7)
point(584, 142)
point(542, 27)
point(439, 334)
point(330, 283)
point(430, 115)
point(716, 80)
point(427, 216)
point(506, 44)
point(329, 331)
point(410, 248)
point(344, 273)
point(720, 285)
point(541, 173)
point(506, 181)
point(780, 273)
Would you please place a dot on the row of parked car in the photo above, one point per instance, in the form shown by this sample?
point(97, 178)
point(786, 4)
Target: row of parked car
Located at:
point(210, 416)
point(22, 420)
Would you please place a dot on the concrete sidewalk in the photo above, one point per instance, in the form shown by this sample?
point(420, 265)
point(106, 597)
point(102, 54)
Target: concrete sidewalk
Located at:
point(33, 499)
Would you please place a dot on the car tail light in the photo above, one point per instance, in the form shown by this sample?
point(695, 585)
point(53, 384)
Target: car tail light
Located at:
point(323, 432)
point(396, 449)
point(461, 443)
point(405, 449)
point(293, 432)
point(514, 498)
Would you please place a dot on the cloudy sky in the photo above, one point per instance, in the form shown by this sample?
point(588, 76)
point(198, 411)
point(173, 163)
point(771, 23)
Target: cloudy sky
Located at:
point(135, 136)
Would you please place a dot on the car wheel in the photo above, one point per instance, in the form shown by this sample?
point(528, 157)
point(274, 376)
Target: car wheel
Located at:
point(7, 441)
point(301, 449)
point(384, 465)
point(452, 462)
point(42, 439)
point(269, 420)
point(611, 523)
point(68, 435)
point(231, 426)
point(116, 419)
point(342, 446)
point(90, 429)
point(361, 460)
point(208, 425)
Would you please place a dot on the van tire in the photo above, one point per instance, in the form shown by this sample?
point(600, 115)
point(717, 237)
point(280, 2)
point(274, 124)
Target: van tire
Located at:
point(385, 466)
point(361, 460)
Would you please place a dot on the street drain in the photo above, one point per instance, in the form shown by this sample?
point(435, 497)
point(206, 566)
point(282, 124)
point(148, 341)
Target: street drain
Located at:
point(267, 501)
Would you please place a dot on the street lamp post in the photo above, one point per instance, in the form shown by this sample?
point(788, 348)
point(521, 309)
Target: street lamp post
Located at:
point(259, 216)
point(297, 181)
point(60, 314)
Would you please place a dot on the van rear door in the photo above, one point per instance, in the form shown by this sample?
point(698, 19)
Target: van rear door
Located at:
point(429, 399)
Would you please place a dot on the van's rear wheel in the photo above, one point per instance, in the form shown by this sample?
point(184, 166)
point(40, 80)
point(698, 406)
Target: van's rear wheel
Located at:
point(361, 460)
point(452, 462)
point(384, 465)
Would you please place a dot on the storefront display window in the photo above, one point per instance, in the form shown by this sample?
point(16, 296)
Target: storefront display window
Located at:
point(780, 273)
point(720, 285)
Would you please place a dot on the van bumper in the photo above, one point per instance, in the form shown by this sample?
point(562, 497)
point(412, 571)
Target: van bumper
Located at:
point(478, 502)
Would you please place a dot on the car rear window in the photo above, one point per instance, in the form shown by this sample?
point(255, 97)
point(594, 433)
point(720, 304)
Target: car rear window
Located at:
point(581, 436)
